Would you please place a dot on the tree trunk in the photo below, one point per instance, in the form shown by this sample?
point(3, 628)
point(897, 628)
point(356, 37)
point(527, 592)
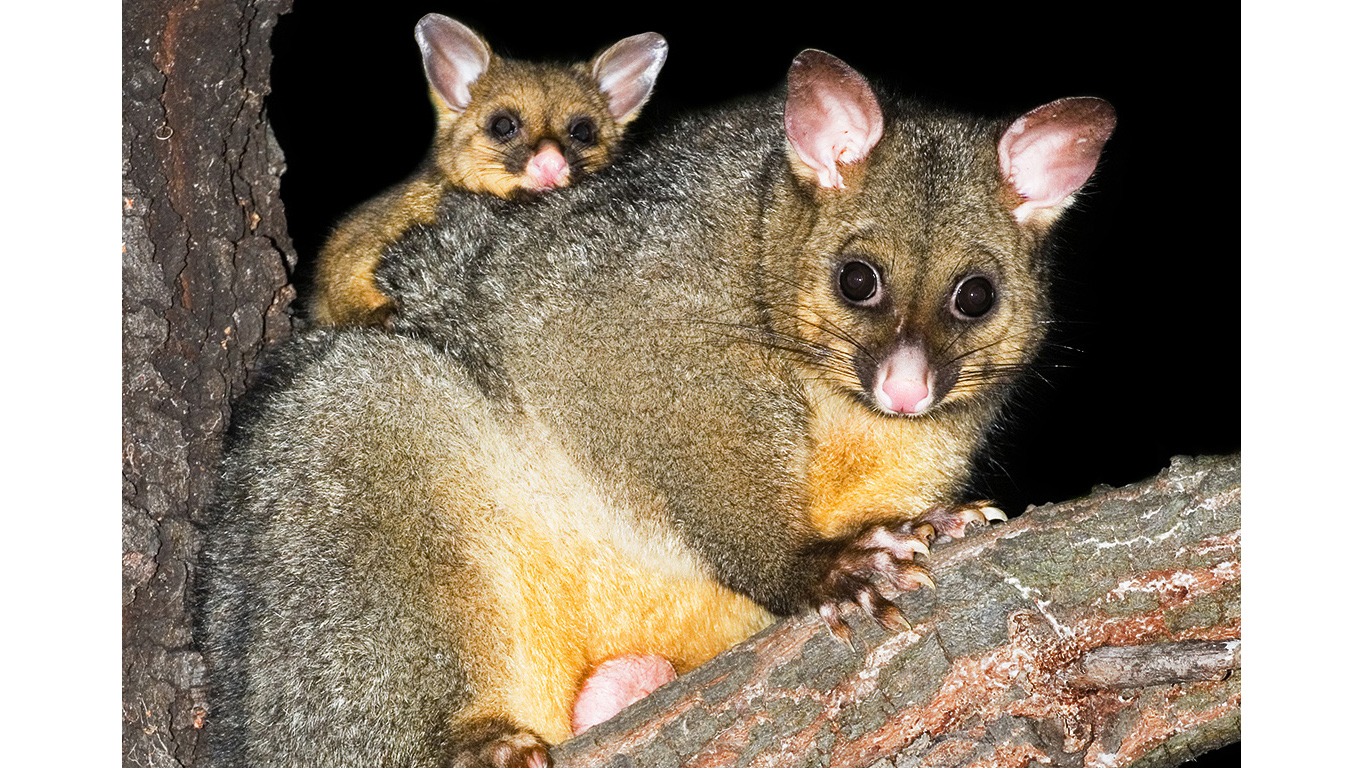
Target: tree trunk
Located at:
point(206, 261)
point(1006, 661)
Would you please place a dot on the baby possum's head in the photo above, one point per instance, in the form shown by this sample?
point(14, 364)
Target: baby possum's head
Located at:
point(509, 127)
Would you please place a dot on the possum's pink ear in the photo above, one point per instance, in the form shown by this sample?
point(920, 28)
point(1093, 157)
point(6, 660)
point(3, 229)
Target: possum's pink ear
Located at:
point(626, 73)
point(832, 117)
point(1048, 154)
point(453, 55)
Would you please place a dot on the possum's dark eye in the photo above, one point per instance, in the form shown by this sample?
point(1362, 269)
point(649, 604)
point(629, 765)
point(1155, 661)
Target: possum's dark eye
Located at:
point(974, 297)
point(584, 131)
point(858, 281)
point(502, 125)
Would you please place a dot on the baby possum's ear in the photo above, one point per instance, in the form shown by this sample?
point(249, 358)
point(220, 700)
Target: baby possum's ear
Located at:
point(626, 73)
point(453, 55)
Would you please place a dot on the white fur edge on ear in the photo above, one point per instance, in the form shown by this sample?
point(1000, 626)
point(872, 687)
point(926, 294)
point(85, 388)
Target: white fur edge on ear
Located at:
point(832, 117)
point(626, 72)
point(453, 57)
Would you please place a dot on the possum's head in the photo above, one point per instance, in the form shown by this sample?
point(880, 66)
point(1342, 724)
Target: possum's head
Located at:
point(921, 282)
point(512, 127)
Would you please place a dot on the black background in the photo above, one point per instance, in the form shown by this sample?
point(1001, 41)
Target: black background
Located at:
point(1145, 363)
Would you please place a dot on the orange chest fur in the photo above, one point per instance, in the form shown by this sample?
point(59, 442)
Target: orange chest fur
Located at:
point(865, 466)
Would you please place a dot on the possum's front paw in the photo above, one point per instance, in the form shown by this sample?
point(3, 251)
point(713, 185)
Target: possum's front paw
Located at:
point(952, 521)
point(505, 747)
point(881, 558)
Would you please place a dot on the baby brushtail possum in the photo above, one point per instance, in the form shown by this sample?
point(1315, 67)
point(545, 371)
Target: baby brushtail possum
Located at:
point(504, 127)
point(740, 374)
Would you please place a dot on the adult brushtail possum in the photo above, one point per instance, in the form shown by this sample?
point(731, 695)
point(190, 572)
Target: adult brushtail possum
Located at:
point(741, 373)
point(504, 127)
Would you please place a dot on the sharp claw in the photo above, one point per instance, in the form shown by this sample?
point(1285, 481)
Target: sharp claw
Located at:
point(835, 624)
point(992, 513)
point(914, 578)
point(840, 631)
point(918, 546)
point(892, 619)
point(908, 579)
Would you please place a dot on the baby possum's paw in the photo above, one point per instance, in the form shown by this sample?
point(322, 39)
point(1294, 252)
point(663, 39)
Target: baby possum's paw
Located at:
point(502, 745)
point(867, 567)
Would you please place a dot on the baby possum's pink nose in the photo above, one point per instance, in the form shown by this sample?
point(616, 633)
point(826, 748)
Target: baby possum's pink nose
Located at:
point(547, 168)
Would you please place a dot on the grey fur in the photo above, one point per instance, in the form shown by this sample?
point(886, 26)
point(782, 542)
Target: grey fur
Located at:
point(631, 293)
point(643, 318)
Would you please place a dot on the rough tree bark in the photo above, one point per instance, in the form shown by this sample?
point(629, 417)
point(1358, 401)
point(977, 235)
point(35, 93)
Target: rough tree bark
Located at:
point(1103, 632)
point(205, 263)
point(994, 670)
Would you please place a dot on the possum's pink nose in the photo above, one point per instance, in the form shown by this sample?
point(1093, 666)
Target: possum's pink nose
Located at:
point(904, 396)
point(547, 169)
point(903, 382)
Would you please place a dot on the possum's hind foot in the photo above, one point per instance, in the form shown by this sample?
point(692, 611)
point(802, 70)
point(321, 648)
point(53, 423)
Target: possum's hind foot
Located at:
point(499, 744)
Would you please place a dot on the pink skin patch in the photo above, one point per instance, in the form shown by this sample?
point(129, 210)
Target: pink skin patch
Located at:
point(904, 383)
point(546, 169)
point(831, 117)
point(615, 684)
point(1048, 154)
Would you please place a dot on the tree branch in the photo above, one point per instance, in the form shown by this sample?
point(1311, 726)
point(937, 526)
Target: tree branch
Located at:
point(1100, 632)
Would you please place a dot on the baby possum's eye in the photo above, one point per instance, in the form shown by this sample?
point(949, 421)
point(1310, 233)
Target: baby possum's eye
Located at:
point(858, 282)
point(584, 131)
point(502, 125)
point(973, 298)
